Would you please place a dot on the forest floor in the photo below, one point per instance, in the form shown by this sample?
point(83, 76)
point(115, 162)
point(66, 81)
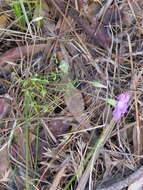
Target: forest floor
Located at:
point(71, 95)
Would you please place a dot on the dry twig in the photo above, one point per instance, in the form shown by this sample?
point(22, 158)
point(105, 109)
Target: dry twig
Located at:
point(126, 182)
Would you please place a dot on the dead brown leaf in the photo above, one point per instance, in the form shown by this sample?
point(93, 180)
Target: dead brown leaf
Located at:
point(101, 34)
point(112, 16)
point(18, 52)
point(3, 19)
point(75, 103)
point(4, 164)
point(96, 31)
point(58, 126)
point(73, 97)
point(47, 25)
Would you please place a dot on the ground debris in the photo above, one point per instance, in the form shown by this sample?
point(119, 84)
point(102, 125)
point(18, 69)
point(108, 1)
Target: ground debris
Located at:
point(65, 66)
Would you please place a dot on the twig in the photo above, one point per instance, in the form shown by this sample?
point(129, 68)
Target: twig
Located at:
point(104, 9)
point(126, 182)
point(138, 126)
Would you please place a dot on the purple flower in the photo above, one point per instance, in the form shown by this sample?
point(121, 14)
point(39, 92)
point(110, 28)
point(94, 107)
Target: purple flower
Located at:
point(121, 105)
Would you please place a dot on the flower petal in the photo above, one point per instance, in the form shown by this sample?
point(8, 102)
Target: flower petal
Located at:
point(121, 106)
point(117, 114)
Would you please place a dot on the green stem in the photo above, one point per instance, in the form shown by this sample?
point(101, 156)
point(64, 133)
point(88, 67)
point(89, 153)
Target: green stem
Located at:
point(25, 15)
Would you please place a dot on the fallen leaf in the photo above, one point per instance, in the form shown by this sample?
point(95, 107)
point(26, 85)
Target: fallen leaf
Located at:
point(75, 103)
point(47, 25)
point(112, 16)
point(18, 52)
point(4, 108)
point(59, 126)
point(102, 37)
point(4, 164)
point(96, 31)
point(101, 34)
point(3, 20)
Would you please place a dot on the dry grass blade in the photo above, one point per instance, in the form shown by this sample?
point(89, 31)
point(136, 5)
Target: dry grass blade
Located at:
point(58, 177)
point(104, 8)
point(138, 126)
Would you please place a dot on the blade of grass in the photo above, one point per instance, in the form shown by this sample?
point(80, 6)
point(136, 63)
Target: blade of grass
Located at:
point(27, 114)
point(25, 15)
point(26, 134)
point(38, 11)
point(18, 12)
point(36, 147)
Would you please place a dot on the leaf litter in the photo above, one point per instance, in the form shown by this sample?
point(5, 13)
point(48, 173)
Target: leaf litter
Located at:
point(59, 84)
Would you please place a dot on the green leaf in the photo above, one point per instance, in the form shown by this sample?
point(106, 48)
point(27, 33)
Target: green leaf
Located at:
point(97, 84)
point(111, 101)
point(64, 66)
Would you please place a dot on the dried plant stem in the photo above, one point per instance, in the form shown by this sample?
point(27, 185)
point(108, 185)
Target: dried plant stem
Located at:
point(138, 126)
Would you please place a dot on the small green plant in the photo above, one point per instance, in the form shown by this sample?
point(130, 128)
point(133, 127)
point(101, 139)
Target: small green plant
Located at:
point(34, 89)
point(18, 13)
point(36, 100)
point(68, 86)
point(23, 11)
point(37, 91)
point(20, 9)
